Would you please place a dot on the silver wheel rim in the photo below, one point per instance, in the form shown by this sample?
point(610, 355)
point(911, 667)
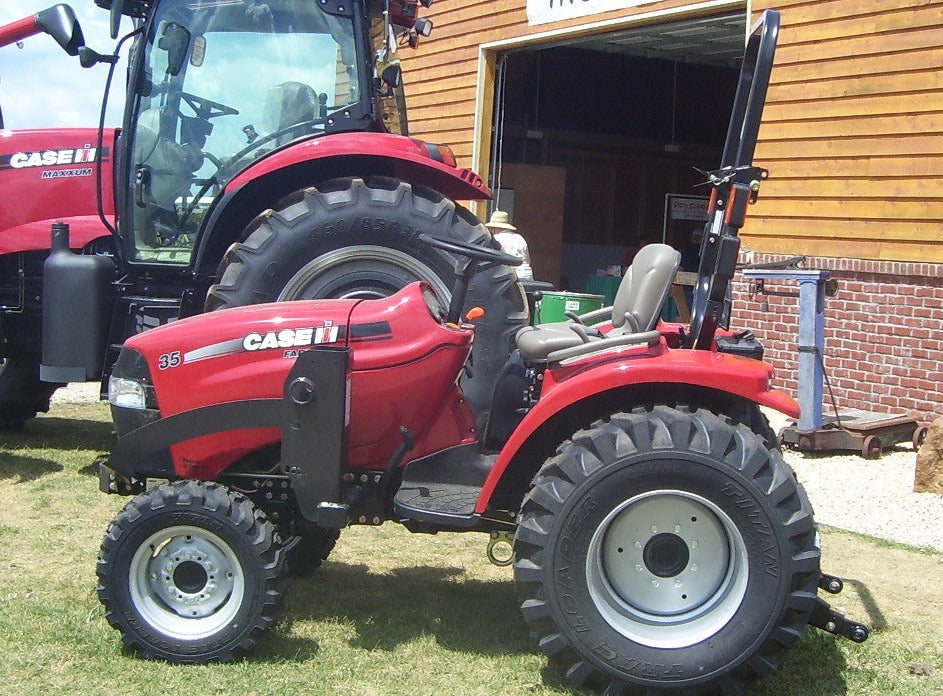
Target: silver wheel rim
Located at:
point(186, 582)
point(667, 569)
point(298, 287)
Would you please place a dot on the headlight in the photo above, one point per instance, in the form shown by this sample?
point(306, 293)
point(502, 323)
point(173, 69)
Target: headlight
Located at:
point(126, 393)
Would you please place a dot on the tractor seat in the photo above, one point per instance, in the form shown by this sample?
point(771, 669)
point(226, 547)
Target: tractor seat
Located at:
point(289, 104)
point(634, 312)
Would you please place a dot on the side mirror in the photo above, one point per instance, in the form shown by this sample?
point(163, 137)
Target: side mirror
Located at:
point(60, 23)
point(175, 39)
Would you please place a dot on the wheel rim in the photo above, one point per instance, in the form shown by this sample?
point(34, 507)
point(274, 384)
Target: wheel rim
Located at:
point(186, 582)
point(360, 272)
point(667, 569)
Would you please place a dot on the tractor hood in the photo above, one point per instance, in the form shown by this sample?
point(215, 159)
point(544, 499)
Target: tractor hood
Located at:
point(48, 175)
point(399, 346)
point(247, 352)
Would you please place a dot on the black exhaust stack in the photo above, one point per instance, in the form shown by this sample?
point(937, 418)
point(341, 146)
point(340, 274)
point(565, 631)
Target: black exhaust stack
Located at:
point(77, 303)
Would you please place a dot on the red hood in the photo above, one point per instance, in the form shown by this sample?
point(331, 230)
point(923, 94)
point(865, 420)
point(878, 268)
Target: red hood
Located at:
point(48, 175)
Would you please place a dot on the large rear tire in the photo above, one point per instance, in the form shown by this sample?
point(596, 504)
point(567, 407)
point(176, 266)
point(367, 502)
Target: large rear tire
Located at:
point(22, 393)
point(667, 551)
point(356, 238)
point(190, 572)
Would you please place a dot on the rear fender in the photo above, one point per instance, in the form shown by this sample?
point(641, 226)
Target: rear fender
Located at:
point(314, 161)
point(659, 369)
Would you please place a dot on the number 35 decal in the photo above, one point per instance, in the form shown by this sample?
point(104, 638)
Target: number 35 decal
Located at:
point(168, 360)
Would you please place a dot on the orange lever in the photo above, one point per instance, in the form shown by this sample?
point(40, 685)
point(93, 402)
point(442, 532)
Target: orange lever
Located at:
point(475, 313)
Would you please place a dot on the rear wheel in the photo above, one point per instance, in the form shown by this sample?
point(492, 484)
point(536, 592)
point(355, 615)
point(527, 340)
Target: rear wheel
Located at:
point(356, 238)
point(191, 572)
point(22, 393)
point(667, 551)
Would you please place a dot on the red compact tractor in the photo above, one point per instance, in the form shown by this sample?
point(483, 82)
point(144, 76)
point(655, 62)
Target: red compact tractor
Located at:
point(263, 156)
point(660, 542)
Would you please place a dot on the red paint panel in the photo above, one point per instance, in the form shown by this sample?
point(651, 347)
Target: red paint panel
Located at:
point(50, 175)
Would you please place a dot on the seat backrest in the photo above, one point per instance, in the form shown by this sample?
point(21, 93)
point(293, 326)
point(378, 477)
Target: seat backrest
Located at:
point(643, 289)
point(288, 104)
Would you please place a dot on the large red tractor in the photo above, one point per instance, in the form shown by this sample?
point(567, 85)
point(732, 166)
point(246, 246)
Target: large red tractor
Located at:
point(661, 544)
point(262, 157)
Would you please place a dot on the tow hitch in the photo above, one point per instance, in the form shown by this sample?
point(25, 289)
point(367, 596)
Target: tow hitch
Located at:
point(826, 618)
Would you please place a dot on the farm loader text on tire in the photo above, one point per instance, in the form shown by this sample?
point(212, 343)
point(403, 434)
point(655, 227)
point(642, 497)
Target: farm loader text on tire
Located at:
point(22, 393)
point(191, 572)
point(666, 551)
point(356, 238)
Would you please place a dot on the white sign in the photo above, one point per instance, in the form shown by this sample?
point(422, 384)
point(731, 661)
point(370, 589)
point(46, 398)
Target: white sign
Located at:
point(688, 207)
point(543, 11)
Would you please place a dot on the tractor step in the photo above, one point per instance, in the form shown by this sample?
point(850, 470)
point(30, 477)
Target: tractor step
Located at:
point(443, 488)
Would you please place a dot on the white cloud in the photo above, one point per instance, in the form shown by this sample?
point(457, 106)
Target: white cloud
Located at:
point(41, 86)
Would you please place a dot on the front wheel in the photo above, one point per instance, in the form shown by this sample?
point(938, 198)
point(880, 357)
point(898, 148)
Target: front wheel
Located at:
point(22, 393)
point(191, 572)
point(667, 551)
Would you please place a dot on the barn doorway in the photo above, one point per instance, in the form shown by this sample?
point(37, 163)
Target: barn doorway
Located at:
point(596, 141)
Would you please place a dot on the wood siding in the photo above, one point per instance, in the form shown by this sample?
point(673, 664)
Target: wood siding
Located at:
point(853, 132)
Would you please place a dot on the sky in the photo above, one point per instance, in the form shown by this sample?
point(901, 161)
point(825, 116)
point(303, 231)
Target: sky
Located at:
point(41, 86)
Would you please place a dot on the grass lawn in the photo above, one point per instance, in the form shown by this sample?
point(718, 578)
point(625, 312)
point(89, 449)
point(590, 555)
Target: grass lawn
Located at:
point(389, 613)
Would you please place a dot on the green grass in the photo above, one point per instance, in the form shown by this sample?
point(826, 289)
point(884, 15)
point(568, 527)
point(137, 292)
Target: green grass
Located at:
point(389, 613)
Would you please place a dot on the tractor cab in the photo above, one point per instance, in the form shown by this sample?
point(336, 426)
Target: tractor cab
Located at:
point(218, 87)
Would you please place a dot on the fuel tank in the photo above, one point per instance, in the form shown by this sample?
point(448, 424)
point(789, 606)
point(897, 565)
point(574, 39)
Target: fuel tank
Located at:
point(405, 361)
point(48, 175)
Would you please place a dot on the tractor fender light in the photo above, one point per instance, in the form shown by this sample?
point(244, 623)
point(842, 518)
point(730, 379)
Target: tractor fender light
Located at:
point(440, 153)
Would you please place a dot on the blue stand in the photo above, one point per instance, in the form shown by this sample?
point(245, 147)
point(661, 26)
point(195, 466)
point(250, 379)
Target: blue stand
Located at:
point(811, 337)
point(867, 432)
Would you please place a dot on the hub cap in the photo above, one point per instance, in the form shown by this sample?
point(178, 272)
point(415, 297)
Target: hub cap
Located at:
point(186, 582)
point(363, 272)
point(667, 569)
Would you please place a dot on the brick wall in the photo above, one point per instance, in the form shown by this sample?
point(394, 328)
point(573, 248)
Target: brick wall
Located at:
point(883, 332)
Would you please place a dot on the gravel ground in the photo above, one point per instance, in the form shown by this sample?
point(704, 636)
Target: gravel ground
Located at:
point(869, 496)
point(873, 497)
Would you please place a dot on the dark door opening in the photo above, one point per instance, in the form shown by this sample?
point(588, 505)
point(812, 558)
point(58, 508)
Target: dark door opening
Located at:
point(619, 122)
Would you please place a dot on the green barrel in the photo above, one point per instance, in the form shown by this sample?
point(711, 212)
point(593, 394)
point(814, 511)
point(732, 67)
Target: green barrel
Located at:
point(553, 306)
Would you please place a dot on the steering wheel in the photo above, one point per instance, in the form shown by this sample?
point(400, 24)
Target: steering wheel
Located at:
point(477, 255)
point(206, 108)
point(473, 251)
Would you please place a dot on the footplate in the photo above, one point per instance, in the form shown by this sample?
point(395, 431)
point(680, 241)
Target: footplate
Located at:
point(831, 621)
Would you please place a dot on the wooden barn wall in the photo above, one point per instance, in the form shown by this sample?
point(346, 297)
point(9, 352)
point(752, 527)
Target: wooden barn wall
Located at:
point(441, 76)
point(853, 132)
